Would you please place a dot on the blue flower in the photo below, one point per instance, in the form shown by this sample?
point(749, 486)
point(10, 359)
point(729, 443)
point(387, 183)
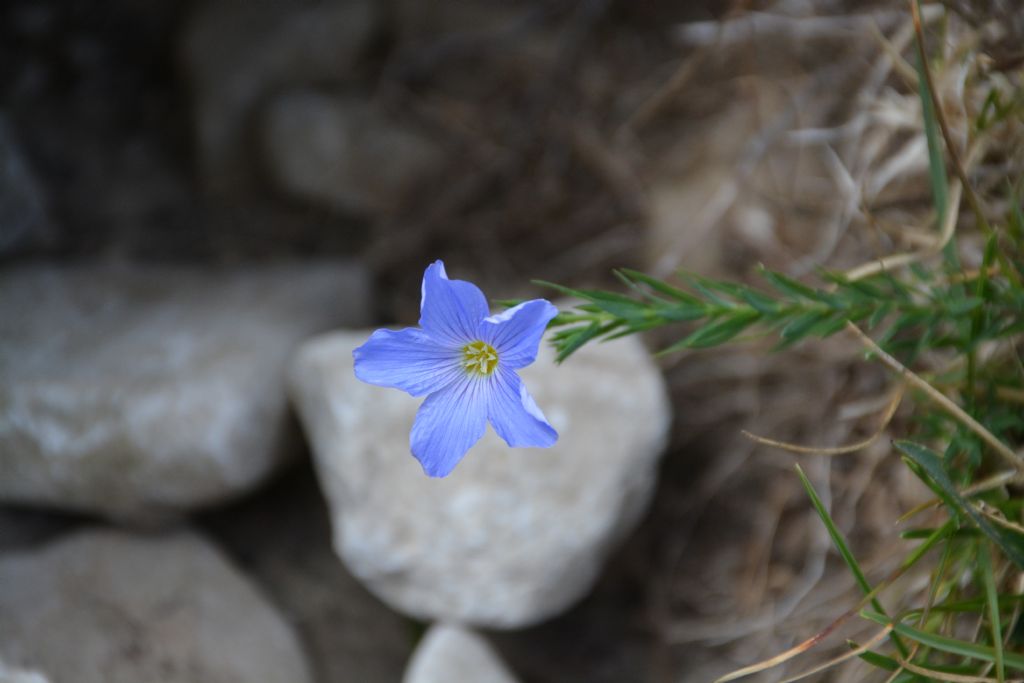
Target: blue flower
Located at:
point(464, 360)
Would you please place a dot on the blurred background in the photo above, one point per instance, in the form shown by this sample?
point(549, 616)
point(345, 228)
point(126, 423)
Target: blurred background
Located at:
point(190, 190)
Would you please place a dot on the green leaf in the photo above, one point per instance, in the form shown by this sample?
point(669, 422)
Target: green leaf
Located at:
point(801, 325)
point(929, 464)
point(918, 534)
point(974, 606)
point(879, 315)
point(661, 286)
point(988, 107)
point(829, 326)
point(682, 313)
point(844, 550)
point(580, 337)
point(759, 302)
point(863, 287)
point(720, 331)
point(874, 659)
point(646, 294)
point(943, 532)
point(709, 294)
point(992, 600)
point(618, 305)
point(944, 644)
point(732, 289)
point(788, 285)
point(963, 305)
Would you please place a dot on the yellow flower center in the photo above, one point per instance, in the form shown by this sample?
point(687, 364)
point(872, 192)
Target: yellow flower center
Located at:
point(479, 358)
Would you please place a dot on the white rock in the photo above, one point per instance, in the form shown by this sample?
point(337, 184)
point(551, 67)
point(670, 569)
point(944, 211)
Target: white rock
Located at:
point(12, 675)
point(342, 153)
point(450, 654)
point(512, 536)
point(141, 392)
point(237, 53)
point(105, 607)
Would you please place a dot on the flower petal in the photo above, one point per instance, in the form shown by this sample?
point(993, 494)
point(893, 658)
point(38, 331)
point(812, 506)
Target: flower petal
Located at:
point(516, 333)
point(447, 425)
point(407, 359)
point(450, 310)
point(514, 414)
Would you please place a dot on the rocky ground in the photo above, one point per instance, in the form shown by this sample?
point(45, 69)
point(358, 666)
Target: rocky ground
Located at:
point(205, 206)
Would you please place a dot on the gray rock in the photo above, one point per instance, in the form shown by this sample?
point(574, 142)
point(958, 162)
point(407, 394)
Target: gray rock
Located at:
point(12, 675)
point(449, 654)
point(141, 392)
point(282, 537)
point(236, 53)
point(512, 536)
point(24, 219)
point(105, 607)
point(342, 153)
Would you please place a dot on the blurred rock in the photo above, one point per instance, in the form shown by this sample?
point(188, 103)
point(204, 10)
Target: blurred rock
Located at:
point(11, 675)
point(450, 653)
point(236, 53)
point(24, 221)
point(141, 392)
point(342, 153)
point(512, 536)
point(281, 537)
point(106, 607)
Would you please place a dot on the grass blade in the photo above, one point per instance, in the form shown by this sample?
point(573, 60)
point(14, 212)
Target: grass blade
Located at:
point(844, 549)
point(661, 286)
point(992, 602)
point(928, 464)
point(951, 645)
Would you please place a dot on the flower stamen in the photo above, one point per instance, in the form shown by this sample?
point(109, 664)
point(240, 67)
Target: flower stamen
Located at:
point(479, 358)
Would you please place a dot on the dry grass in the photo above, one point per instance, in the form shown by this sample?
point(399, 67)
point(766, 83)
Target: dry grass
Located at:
point(834, 174)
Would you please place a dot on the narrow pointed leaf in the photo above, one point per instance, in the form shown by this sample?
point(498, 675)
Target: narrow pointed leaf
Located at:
point(844, 549)
point(929, 463)
point(984, 653)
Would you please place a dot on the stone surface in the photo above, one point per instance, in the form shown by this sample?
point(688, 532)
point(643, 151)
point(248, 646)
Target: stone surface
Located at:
point(12, 675)
point(140, 392)
point(281, 536)
point(24, 219)
point(450, 653)
point(109, 607)
point(236, 53)
point(512, 536)
point(342, 152)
